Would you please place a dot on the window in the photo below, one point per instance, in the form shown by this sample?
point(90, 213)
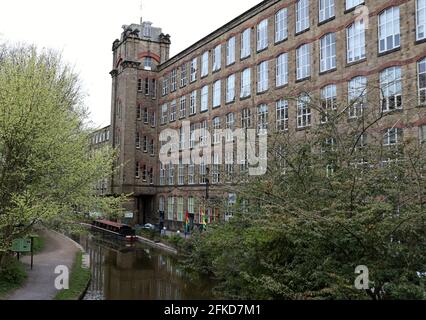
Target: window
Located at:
point(192, 135)
point(357, 96)
point(423, 134)
point(217, 58)
point(262, 118)
point(191, 205)
point(355, 35)
point(145, 144)
point(282, 70)
point(246, 43)
point(144, 173)
point(161, 204)
point(421, 70)
point(165, 86)
point(193, 70)
point(246, 118)
point(262, 77)
point(152, 148)
point(181, 138)
point(326, 10)
point(393, 136)
point(262, 35)
point(138, 140)
point(328, 101)
point(204, 133)
point(216, 171)
point(193, 103)
point(328, 52)
point(162, 175)
point(181, 173)
point(145, 116)
point(391, 89)
point(304, 115)
point(171, 174)
point(140, 85)
point(147, 87)
point(282, 115)
point(216, 130)
point(183, 75)
point(217, 93)
point(153, 88)
point(353, 3)
point(170, 208)
point(246, 83)
point(153, 119)
point(203, 173)
point(204, 98)
point(302, 15)
point(139, 112)
point(230, 88)
point(389, 30)
point(230, 51)
point(191, 173)
point(173, 80)
point(147, 63)
point(230, 126)
point(205, 64)
point(303, 61)
point(164, 113)
point(421, 20)
point(281, 25)
point(182, 109)
point(173, 111)
point(180, 209)
point(137, 171)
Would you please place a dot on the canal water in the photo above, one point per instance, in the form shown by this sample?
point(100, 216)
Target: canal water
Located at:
point(137, 272)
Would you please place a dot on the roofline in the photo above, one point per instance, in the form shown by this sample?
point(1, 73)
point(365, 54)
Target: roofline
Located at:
point(217, 33)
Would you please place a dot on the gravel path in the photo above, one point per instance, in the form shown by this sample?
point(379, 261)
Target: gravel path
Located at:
point(40, 285)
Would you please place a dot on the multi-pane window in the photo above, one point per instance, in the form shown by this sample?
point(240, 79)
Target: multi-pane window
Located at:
point(304, 115)
point(171, 174)
point(246, 83)
point(230, 51)
point(421, 70)
point(217, 58)
point(193, 70)
point(139, 112)
point(183, 75)
point(162, 175)
point(389, 30)
point(204, 133)
point(161, 204)
point(181, 138)
point(170, 208)
point(217, 93)
point(393, 136)
point(153, 119)
point(164, 113)
point(262, 77)
point(246, 118)
point(145, 116)
point(180, 209)
point(302, 15)
point(139, 85)
point(353, 3)
point(181, 173)
point(191, 205)
point(138, 140)
point(173, 111)
point(281, 26)
point(165, 86)
point(282, 70)
point(215, 171)
point(303, 61)
point(357, 96)
point(326, 10)
point(246, 43)
point(204, 98)
point(146, 84)
point(355, 35)
point(216, 132)
point(192, 129)
point(230, 88)
point(137, 171)
point(282, 115)
point(193, 103)
point(153, 88)
point(391, 89)
point(262, 35)
point(421, 20)
point(262, 118)
point(182, 108)
point(173, 80)
point(230, 126)
point(205, 64)
point(328, 52)
point(191, 173)
point(423, 134)
point(147, 63)
point(145, 144)
point(328, 101)
point(203, 172)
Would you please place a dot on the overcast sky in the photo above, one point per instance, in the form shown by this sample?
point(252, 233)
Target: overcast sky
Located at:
point(83, 30)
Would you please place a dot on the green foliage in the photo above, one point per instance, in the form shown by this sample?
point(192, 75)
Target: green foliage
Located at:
point(305, 229)
point(12, 276)
point(47, 171)
point(79, 280)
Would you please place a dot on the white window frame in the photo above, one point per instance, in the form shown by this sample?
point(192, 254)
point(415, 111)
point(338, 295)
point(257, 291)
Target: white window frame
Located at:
point(217, 58)
point(193, 103)
point(230, 51)
point(328, 101)
point(204, 99)
point(304, 114)
point(193, 76)
point(183, 75)
point(420, 20)
point(389, 30)
point(391, 89)
point(205, 64)
point(182, 107)
point(230, 88)
point(216, 130)
point(262, 118)
point(302, 15)
point(355, 42)
point(326, 10)
point(245, 83)
point(173, 80)
point(262, 35)
point(281, 70)
point(171, 208)
point(281, 25)
point(230, 126)
point(353, 3)
point(421, 73)
point(164, 113)
point(173, 111)
point(393, 136)
point(303, 61)
point(281, 115)
point(328, 52)
point(217, 94)
point(262, 77)
point(245, 44)
point(357, 96)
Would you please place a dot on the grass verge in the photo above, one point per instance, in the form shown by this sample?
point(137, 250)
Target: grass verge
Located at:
point(79, 279)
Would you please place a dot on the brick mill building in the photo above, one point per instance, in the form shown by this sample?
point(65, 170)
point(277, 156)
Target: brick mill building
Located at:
point(238, 75)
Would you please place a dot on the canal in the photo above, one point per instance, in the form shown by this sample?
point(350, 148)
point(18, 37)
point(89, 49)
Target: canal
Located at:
point(137, 272)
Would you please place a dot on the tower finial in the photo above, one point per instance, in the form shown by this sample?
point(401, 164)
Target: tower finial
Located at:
point(141, 10)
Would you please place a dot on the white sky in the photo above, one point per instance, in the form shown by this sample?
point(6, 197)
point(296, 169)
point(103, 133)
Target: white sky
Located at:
point(83, 30)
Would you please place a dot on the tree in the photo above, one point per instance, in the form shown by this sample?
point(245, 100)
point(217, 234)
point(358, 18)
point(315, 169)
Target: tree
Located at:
point(46, 170)
point(336, 196)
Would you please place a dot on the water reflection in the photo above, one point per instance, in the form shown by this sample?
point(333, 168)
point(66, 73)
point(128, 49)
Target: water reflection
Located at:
point(136, 273)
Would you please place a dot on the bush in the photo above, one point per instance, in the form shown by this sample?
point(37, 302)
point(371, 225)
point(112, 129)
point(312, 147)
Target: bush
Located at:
point(12, 276)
